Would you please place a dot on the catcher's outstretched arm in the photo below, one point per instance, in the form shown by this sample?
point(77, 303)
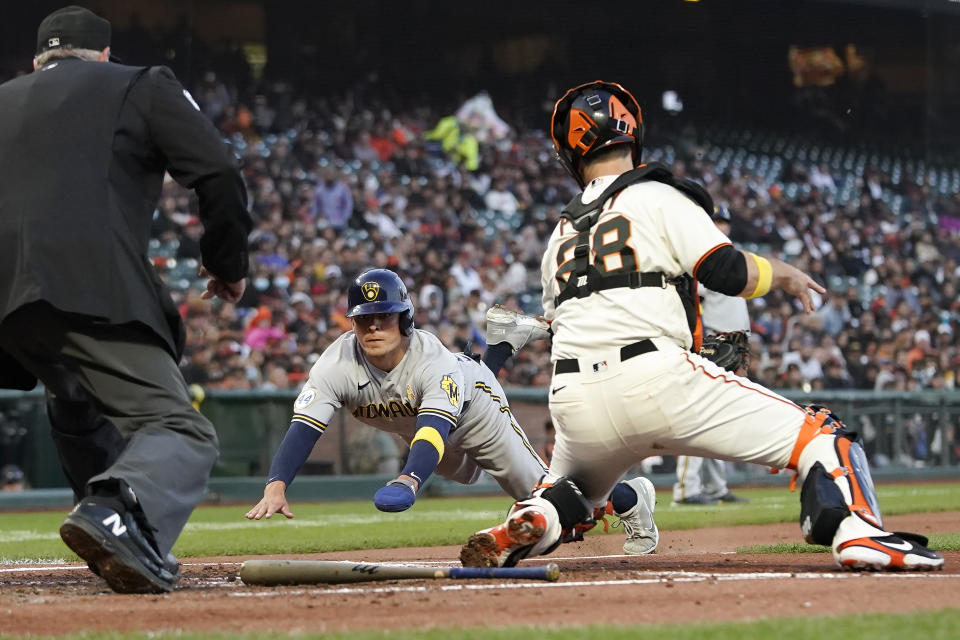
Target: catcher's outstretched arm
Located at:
point(740, 273)
point(766, 273)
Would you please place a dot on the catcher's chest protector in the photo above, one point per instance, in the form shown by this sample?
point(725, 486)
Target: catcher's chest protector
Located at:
point(585, 278)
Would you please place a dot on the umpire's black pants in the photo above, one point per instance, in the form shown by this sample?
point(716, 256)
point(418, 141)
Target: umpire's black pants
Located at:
point(119, 408)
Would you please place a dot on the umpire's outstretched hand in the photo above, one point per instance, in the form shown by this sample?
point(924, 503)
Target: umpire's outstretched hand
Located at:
point(229, 291)
point(274, 501)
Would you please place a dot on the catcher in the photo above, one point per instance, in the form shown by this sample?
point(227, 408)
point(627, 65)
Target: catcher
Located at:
point(704, 480)
point(617, 290)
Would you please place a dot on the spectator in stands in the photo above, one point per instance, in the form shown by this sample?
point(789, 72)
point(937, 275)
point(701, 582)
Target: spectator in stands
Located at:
point(836, 314)
point(333, 200)
point(809, 368)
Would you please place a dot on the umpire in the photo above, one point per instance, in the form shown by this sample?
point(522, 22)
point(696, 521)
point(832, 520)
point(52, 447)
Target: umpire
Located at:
point(84, 144)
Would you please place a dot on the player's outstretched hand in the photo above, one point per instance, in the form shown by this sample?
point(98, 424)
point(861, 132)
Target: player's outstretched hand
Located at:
point(228, 291)
point(797, 283)
point(398, 495)
point(274, 501)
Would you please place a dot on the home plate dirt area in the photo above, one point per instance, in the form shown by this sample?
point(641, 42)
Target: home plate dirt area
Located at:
point(694, 576)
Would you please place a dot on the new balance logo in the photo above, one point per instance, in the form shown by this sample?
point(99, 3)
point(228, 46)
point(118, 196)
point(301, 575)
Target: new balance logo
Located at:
point(116, 525)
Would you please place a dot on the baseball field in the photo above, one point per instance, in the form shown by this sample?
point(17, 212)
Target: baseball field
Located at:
point(725, 571)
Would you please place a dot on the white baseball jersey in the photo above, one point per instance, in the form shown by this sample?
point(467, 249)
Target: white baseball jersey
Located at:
point(612, 413)
point(649, 226)
point(431, 381)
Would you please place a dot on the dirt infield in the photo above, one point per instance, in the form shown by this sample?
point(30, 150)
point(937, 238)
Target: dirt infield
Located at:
point(693, 577)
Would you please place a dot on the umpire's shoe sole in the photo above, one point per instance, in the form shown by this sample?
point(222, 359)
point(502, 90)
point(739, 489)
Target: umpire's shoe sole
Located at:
point(170, 563)
point(105, 539)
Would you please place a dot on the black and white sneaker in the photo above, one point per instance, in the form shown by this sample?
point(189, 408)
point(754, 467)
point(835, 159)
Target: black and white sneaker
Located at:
point(116, 547)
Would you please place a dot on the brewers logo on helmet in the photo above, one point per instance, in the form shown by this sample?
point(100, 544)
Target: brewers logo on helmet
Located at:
point(380, 291)
point(370, 290)
point(593, 117)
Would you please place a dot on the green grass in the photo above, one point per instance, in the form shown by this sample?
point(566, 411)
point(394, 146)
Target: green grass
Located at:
point(780, 505)
point(930, 625)
point(938, 542)
point(337, 526)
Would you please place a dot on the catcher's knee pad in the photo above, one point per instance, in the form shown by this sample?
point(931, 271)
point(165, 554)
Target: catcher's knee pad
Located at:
point(826, 451)
point(571, 506)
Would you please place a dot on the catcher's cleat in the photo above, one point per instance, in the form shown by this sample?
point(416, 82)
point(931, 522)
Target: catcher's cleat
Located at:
point(115, 544)
point(504, 325)
point(893, 552)
point(505, 544)
point(642, 533)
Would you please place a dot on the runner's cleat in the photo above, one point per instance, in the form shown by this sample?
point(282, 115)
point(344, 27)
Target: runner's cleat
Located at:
point(504, 325)
point(505, 544)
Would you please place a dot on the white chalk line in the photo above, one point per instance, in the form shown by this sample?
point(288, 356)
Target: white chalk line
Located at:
point(662, 578)
point(656, 577)
point(39, 567)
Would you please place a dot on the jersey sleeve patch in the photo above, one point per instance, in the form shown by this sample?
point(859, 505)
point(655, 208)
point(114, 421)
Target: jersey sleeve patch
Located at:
point(451, 389)
point(305, 399)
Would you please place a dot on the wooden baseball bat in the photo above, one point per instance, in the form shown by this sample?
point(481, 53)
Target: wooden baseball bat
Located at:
point(279, 572)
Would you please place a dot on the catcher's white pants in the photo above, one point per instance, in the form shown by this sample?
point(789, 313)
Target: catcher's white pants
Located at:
point(611, 414)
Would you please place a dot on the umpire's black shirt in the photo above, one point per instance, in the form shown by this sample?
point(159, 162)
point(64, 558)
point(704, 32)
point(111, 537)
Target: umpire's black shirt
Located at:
point(83, 150)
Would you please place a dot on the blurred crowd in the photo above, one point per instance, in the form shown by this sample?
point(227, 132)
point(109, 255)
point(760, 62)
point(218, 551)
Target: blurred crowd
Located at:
point(346, 182)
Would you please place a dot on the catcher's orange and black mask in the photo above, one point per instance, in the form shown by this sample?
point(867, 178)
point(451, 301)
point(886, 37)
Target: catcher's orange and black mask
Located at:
point(592, 117)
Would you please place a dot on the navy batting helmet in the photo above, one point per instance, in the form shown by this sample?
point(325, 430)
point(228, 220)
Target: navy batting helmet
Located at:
point(594, 117)
point(381, 291)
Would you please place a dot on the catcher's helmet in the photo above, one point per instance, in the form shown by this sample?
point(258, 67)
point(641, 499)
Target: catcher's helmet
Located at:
point(720, 213)
point(592, 117)
point(381, 291)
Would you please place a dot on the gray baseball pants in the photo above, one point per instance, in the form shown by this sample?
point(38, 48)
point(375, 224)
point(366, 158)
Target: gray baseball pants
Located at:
point(119, 408)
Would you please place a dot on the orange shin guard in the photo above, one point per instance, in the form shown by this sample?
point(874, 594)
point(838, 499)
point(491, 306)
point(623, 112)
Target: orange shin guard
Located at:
point(837, 480)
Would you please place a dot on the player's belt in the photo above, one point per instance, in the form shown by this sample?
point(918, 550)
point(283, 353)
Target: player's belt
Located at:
point(572, 365)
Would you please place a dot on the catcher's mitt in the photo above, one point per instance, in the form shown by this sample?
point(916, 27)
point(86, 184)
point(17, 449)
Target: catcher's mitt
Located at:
point(730, 350)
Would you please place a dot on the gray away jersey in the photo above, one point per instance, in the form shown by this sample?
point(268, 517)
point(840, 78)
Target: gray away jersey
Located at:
point(430, 381)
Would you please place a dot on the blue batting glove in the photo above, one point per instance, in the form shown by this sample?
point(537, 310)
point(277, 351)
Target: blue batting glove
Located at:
point(396, 496)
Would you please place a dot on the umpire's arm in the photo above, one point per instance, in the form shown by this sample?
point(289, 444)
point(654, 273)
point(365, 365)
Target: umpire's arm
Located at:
point(198, 159)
